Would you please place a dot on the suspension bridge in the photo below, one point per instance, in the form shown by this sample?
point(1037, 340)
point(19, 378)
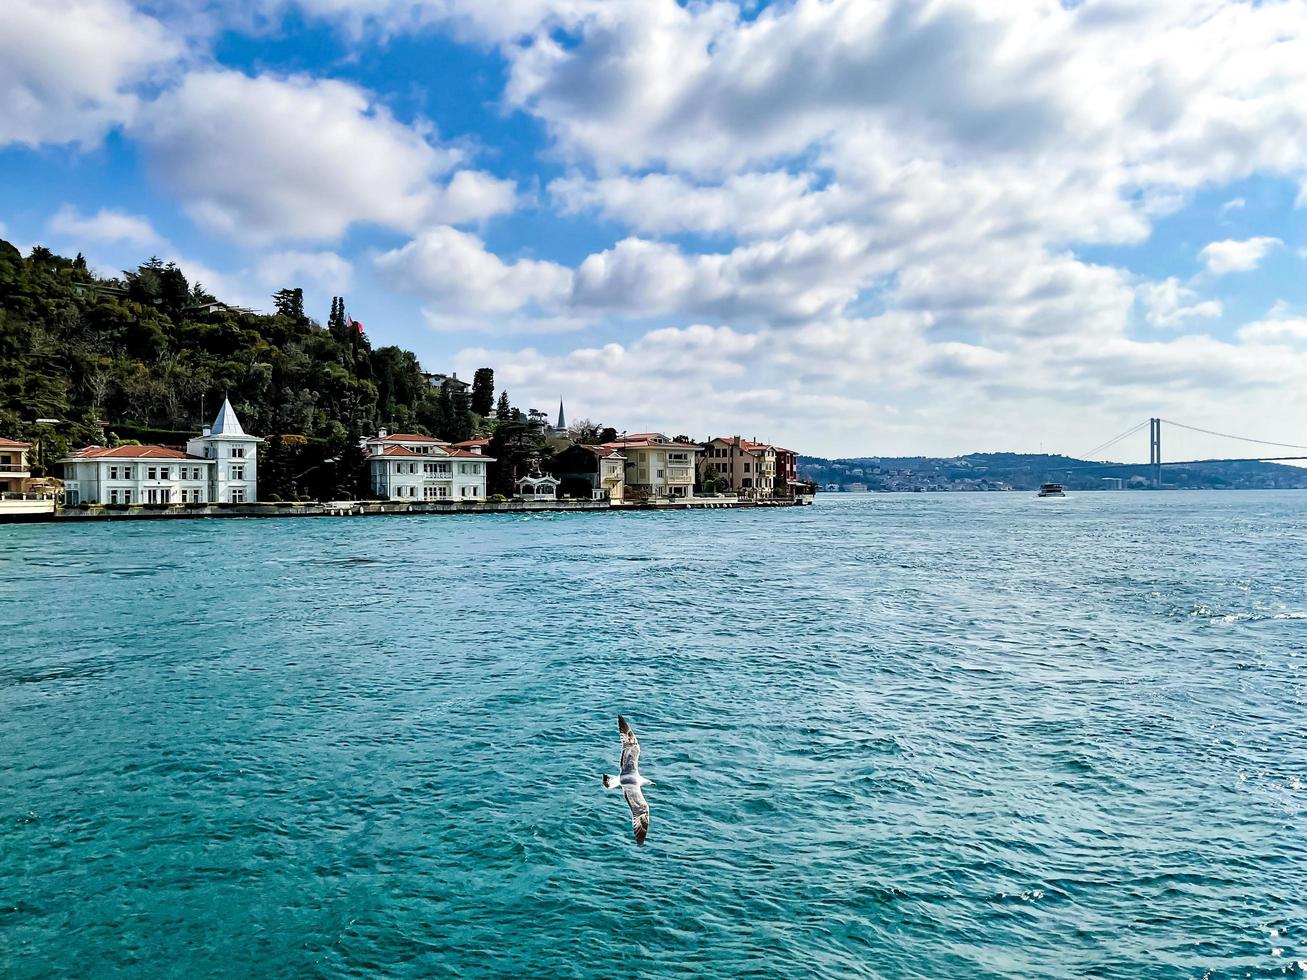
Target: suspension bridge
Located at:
point(1156, 462)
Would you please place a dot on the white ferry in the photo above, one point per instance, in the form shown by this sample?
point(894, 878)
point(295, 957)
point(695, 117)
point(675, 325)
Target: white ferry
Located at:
point(1051, 490)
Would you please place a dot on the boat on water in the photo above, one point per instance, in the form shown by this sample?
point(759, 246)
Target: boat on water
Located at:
point(1051, 490)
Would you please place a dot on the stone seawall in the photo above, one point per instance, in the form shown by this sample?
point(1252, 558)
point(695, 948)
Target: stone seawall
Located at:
point(372, 508)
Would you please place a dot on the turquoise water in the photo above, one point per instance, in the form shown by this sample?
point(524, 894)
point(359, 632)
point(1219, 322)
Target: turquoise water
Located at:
point(894, 735)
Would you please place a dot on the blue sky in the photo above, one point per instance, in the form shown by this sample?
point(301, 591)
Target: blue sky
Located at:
point(851, 226)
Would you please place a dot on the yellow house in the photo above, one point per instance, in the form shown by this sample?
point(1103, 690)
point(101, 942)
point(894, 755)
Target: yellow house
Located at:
point(658, 467)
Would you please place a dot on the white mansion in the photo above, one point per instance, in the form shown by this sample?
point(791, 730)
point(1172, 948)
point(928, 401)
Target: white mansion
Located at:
point(407, 466)
point(219, 466)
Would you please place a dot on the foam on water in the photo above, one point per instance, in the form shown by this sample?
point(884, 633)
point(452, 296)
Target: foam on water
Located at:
point(918, 735)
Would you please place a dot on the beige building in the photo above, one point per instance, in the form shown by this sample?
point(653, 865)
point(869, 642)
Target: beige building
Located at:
point(15, 470)
point(749, 467)
point(656, 466)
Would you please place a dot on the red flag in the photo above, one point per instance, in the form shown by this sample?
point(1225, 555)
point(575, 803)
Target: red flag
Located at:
point(358, 326)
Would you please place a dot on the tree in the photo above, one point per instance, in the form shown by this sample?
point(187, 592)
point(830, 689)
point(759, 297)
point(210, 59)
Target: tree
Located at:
point(607, 434)
point(483, 391)
point(585, 432)
point(337, 323)
point(503, 410)
point(516, 446)
point(290, 303)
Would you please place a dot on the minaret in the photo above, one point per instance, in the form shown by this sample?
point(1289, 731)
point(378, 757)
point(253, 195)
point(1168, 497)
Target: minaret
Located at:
point(562, 420)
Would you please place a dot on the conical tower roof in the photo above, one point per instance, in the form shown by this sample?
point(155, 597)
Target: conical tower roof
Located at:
point(562, 421)
point(226, 424)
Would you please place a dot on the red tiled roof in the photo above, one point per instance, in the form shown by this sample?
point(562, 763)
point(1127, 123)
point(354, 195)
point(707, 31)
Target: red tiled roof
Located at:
point(651, 440)
point(603, 452)
point(467, 454)
point(132, 452)
point(412, 437)
point(435, 457)
point(402, 451)
point(14, 444)
point(469, 443)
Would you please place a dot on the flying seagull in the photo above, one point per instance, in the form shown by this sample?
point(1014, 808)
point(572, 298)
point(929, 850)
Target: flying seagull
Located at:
point(630, 781)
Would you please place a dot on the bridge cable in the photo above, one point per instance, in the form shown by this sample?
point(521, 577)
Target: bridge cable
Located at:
point(1226, 435)
point(1113, 442)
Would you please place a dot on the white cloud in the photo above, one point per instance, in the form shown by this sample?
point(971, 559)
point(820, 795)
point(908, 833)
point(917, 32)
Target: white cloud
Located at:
point(1234, 204)
point(71, 69)
point(270, 158)
point(1168, 304)
point(324, 272)
point(452, 270)
point(106, 225)
point(1236, 256)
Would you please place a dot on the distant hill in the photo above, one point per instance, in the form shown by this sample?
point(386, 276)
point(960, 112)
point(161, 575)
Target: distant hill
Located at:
point(1026, 471)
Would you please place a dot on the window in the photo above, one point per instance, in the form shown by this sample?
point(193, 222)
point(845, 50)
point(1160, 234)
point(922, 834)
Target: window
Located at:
point(152, 473)
point(237, 452)
point(238, 472)
point(238, 495)
point(476, 469)
point(469, 491)
point(198, 473)
point(746, 467)
point(660, 474)
point(442, 491)
point(113, 472)
point(113, 496)
point(127, 496)
point(127, 472)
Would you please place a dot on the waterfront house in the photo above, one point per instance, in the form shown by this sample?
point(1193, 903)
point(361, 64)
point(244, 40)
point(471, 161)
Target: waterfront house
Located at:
point(235, 455)
point(748, 467)
point(537, 487)
point(596, 472)
point(656, 466)
point(787, 472)
point(410, 466)
point(219, 466)
point(15, 470)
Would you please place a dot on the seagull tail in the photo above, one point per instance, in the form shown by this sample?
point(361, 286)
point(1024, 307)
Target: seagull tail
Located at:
point(611, 783)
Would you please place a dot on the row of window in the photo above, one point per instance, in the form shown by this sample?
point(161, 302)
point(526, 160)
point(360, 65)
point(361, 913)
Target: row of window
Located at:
point(167, 473)
point(437, 493)
point(438, 469)
point(163, 495)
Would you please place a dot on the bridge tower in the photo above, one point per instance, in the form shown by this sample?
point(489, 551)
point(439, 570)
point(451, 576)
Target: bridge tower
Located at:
point(1155, 451)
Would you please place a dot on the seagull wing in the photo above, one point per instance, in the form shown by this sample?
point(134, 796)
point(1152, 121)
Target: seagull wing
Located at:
point(630, 751)
point(639, 812)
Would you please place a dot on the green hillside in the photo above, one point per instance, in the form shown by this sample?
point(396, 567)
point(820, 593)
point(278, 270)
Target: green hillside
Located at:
point(143, 357)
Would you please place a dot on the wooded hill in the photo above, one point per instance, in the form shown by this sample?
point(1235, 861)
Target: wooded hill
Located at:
point(144, 355)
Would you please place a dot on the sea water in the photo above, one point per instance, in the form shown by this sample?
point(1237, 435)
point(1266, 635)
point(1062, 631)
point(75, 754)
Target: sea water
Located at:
point(892, 735)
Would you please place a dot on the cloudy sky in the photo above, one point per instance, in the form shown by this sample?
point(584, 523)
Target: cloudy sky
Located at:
point(852, 226)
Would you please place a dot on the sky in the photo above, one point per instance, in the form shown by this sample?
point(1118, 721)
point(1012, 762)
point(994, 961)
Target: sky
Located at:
point(852, 227)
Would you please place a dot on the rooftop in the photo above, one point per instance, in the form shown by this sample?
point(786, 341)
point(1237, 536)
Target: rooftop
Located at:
point(132, 452)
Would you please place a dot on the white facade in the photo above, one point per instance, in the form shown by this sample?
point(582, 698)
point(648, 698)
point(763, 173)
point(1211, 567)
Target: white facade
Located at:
point(136, 475)
point(219, 466)
point(418, 468)
point(235, 475)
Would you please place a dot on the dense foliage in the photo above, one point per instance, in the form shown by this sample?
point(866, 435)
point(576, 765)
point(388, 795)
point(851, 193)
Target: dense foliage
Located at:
point(150, 353)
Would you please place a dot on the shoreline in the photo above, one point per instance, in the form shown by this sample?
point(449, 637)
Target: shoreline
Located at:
point(364, 508)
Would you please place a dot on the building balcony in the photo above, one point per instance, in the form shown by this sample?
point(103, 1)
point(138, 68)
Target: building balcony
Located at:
point(14, 469)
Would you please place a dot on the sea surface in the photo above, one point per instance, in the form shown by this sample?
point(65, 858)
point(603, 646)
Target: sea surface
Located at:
point(918, 735)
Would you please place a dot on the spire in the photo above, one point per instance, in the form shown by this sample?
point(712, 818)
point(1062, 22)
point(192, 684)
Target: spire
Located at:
point(562, 421)
point(226, 424)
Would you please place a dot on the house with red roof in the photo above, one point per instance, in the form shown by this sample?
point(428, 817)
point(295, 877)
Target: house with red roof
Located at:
point(748, 466)
point(414, 467)
point(218, 466)
point(656, 466)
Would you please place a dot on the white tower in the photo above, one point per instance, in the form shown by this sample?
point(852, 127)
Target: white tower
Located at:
point(235, 474)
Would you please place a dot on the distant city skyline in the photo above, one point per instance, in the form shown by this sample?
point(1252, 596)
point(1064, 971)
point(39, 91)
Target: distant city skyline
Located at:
point(849, 227)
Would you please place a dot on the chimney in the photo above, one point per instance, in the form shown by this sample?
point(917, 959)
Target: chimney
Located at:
point(208, 430)
point(381, 433)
